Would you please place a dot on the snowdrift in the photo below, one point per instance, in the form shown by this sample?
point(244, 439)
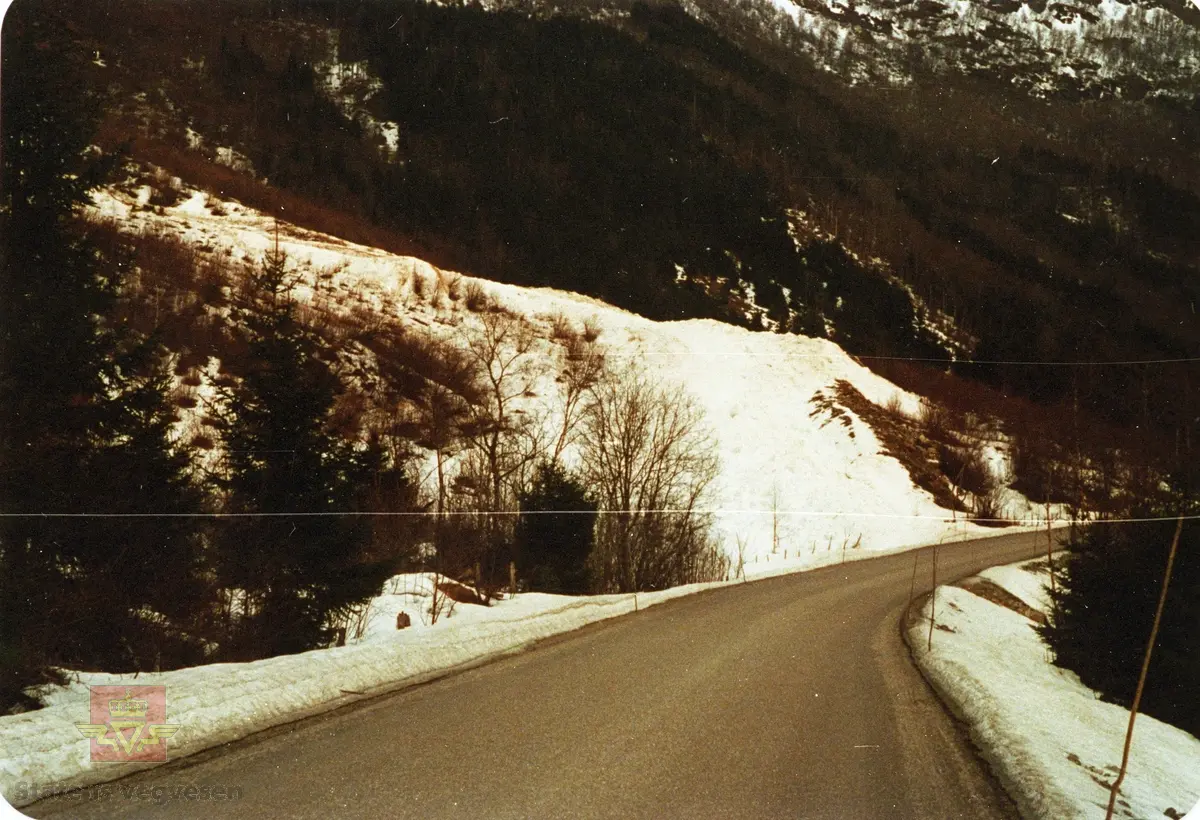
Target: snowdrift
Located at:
point(1051, 740)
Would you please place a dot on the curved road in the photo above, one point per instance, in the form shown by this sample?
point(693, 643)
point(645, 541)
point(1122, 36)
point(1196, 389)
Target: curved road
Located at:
point(791, 697)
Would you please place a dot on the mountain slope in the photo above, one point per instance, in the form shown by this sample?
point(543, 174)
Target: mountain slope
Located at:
point(651, 159)
point(783, 443)
point(1073, 50)
point(684, 161)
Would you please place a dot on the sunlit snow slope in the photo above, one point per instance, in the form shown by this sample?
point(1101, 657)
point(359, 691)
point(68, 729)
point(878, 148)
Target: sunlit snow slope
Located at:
point(832, 488)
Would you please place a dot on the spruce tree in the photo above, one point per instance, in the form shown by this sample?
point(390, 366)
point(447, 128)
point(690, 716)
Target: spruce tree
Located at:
point(552, 550)
point(1105, 607)
point(144, 569)
point(293, 554)
point(83, 418)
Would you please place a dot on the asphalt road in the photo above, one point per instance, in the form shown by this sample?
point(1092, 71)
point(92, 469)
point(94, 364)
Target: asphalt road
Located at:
point(792, 697)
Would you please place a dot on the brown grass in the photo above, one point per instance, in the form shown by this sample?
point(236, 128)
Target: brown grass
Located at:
point(170, 291)
point(904, 440)
point(460, 593)
point(197, 170)
point(999, 595)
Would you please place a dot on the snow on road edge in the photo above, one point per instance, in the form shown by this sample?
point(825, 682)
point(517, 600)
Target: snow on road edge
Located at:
point(45, 753)
point(1048, 738)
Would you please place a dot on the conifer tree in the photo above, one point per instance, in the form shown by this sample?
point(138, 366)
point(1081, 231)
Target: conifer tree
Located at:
point(143, 594)
point(83, 418)
point(1104, 609)
point(552, 550)
point(294, 556)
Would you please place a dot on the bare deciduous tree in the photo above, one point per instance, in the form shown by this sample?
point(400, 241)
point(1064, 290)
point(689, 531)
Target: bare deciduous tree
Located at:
point(740, 569)
point(499, 352)
point(441, 415)
point(583, 366)
point(504, 440)
point(650, 461)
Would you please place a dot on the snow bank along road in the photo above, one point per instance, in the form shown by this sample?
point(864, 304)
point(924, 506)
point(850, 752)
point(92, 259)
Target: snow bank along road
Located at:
point(791, 697)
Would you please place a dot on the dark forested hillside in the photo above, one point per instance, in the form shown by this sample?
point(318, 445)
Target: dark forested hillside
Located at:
point(644, 157)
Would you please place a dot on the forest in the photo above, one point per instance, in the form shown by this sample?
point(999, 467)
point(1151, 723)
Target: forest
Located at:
point(609, 157)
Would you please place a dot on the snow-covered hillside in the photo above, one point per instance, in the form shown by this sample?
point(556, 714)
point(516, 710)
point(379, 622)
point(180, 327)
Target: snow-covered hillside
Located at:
point(1097, 48)
point(826, 481)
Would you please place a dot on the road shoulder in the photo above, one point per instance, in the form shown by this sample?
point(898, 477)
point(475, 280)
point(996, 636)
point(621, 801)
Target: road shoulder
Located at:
point(1049, 740)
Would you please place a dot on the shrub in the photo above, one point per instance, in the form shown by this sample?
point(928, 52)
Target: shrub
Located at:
point(561, 328)
point(935, 420)
point(592, 329)
point(418, 285)
point(987, 507)
point(895, 407)
point(476, 297)
point(966, 467)
point(441, 287)
point(164, 197)
point(461, 593)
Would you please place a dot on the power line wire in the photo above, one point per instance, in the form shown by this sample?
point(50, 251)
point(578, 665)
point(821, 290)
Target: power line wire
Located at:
point(1075, 363)
point(419, 513)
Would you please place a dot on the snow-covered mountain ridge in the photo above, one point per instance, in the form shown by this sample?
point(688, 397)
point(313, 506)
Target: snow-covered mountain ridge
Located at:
point(1087, 48)
point(1090, 48)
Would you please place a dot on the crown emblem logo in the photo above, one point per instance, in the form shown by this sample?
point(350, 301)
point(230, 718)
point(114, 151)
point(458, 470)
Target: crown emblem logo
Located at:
point(128, 723)
point(129, 707)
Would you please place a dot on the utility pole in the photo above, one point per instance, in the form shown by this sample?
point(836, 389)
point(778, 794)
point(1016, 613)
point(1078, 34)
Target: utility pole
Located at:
point(933, 602)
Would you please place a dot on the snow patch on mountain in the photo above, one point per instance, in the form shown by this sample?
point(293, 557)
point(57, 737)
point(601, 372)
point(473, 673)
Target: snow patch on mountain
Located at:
point(1096, 47)
point(351, 85)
